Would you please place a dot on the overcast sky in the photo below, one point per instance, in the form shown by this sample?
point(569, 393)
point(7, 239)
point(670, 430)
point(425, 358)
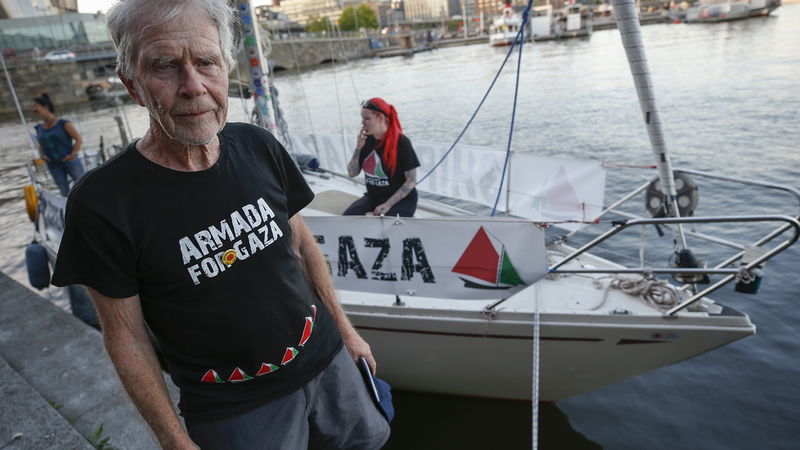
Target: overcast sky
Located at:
point(92, 6)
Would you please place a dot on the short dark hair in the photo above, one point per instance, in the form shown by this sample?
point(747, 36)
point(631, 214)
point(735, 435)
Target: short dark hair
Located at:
point(44, 100)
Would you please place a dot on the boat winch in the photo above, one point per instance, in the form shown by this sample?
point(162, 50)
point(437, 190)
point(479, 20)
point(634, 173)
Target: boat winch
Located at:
point(657, 201)
point(685, 259)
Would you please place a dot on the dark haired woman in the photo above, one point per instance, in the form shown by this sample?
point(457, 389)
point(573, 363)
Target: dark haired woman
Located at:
point(389, 163)
point(59, 144)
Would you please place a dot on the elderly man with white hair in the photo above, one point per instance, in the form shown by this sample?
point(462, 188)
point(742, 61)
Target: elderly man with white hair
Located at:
point(194, 232)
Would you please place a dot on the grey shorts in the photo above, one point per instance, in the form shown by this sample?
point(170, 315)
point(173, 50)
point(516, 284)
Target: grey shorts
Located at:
point(332, 411)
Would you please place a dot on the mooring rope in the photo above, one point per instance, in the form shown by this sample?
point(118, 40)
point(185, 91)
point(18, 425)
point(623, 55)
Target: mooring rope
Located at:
point(535, 377)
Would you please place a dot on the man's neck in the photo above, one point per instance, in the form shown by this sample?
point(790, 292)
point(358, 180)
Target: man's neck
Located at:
point(156, 146)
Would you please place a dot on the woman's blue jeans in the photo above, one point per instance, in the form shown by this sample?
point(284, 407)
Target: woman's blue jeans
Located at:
point(61, 169)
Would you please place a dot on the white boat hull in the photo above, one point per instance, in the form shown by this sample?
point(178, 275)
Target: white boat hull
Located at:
point(465, 354)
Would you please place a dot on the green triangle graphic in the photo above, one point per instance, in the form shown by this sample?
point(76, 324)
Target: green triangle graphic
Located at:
point(508, 274)
point(379, 169)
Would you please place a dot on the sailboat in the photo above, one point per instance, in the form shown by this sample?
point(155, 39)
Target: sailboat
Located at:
point(455, 302)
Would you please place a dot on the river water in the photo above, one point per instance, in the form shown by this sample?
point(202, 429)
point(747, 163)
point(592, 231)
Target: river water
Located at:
point(729, 98)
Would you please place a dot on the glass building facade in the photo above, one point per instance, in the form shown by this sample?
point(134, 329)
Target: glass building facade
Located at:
point(68, 31)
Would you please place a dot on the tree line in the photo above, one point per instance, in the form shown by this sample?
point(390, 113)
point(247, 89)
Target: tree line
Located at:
point(349, 20)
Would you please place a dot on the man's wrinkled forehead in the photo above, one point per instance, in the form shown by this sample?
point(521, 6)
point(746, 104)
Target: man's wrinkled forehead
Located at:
point(155, 22)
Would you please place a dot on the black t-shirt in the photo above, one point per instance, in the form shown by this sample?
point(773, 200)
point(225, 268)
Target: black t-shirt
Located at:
point(209, 253)
point(381, 185)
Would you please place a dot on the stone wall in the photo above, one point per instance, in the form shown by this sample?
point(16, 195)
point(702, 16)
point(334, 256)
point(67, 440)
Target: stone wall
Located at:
point(290, 54)
point(65, 82)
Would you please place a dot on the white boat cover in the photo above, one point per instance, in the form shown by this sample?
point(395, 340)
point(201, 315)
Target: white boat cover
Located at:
point(452, 258)
point(542, 189)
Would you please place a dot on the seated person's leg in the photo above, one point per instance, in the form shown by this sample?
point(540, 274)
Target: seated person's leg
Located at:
point(360, 207)
point(405, 207)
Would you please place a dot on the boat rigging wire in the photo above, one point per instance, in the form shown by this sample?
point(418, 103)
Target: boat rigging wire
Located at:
point(336, 89)
point(303, 91)
point(489, 90)
point(521, 38)
point(19, 108)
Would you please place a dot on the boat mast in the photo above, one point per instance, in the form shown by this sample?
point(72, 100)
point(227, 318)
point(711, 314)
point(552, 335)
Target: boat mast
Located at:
point(627, 18)
point(16, 103)
point(256, 63)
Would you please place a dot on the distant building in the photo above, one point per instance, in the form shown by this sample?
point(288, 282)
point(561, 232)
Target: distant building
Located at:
point(303, 11)
point(16, 9)
point(46, 32)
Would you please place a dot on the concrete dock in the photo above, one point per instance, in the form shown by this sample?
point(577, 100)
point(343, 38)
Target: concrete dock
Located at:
point(58, 385)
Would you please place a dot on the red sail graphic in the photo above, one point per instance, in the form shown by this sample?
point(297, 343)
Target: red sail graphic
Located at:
point(267, 368)
point(291, 352)
point(238, 375)
point(372, 166)
point(309, 327)
point(211, 377)
point(314, 308)
point(480, 259)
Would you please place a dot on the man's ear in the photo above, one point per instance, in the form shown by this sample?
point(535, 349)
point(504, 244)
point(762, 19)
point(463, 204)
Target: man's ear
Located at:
point(130, 87)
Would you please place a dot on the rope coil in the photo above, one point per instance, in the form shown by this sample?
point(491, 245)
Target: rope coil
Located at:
point(657, 293)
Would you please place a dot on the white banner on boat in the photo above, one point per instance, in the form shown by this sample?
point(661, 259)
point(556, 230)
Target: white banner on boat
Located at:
point(465, 258)
point(542, 189)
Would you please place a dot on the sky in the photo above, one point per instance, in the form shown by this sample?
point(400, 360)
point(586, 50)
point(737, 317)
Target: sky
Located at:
point(92, 6)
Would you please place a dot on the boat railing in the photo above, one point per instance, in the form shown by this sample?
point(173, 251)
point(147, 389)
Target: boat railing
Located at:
point(730, 273)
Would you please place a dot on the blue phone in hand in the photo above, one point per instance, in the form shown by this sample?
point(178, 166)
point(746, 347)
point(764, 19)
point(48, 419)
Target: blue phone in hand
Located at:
point(363, 367)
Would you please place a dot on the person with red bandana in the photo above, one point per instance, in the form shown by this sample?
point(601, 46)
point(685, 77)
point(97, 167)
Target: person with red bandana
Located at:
point(389, 163)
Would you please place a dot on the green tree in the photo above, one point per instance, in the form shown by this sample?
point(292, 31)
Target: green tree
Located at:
point(363, 17)
point(316, 23)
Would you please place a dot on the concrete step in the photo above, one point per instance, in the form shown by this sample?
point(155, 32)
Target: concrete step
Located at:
point(28, 421)
point(64, 362)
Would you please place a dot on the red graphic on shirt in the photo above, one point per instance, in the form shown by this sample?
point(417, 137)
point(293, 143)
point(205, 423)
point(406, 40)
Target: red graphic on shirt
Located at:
point(211, 377)
point(289, 355)
point(307, 330)
point(267, 368)
point(238, 376)
point(314, 308)
point(372, 166)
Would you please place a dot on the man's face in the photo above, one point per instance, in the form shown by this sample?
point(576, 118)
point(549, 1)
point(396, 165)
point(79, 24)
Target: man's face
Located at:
point(181, 78)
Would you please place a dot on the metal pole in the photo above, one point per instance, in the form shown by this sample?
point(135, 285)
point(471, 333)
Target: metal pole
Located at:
point(464, 16)
point(16, 103)
point(259, 83)
point(629, 29)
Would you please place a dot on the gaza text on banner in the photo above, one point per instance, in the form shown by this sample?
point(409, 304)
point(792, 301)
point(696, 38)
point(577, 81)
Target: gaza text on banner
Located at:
point(447, 258)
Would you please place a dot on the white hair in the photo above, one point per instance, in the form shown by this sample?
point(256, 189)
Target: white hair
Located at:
point(126, 30)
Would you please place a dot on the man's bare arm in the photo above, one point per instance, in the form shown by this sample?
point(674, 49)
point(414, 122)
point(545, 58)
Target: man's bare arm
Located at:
point(401, 193)
point(128, 345)
point(316, 270)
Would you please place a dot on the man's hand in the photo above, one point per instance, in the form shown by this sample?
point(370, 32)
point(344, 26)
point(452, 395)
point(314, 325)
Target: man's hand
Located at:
point(358, 347)
point(70, 157)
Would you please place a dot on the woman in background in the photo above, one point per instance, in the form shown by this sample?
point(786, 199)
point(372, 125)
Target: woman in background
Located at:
point(59, 144)
point(389, 163)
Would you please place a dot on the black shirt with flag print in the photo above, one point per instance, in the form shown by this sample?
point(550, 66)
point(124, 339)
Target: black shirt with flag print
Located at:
point(381, 185)
point(209, 253)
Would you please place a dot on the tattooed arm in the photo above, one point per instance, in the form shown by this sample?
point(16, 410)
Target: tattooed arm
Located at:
point(353, 167)
point(411, 181)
